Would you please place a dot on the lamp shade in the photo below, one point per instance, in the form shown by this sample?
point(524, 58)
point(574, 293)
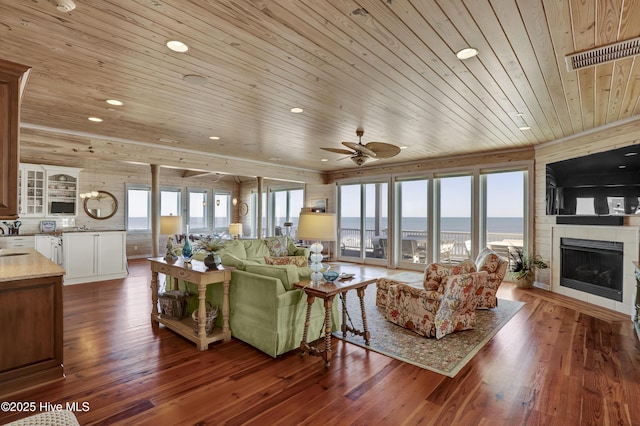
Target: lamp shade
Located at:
point(317, 226)
point(170, 225)
point(235, 228)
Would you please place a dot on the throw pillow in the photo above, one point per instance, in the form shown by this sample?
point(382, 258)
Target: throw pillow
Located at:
point(277, 246)
point(235, 248)
point(457, 310)
point(300, 261)
point(489, 263)
point(435, 273)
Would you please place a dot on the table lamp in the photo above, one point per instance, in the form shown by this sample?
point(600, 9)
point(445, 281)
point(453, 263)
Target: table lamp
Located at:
point(170, 225)
point(235, 229)
point(317, 227)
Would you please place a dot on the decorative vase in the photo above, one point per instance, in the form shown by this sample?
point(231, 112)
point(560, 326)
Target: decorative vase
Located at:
point(212, 260)
point(187, 250)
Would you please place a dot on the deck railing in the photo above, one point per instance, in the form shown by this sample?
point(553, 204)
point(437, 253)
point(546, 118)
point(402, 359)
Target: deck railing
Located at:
point(350, 239)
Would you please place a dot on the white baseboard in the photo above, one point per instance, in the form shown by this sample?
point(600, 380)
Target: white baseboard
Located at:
point(542, 285)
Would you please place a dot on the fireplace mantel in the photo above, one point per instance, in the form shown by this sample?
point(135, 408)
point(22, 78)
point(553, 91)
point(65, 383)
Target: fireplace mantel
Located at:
point(628, 235)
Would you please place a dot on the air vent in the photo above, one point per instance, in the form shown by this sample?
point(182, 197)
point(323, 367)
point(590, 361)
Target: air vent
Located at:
point(601, 55)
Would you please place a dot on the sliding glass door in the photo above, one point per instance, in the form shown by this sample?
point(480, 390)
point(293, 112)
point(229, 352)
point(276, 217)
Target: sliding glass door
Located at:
point(454, 219)
point(413, 204)
point(364, 222)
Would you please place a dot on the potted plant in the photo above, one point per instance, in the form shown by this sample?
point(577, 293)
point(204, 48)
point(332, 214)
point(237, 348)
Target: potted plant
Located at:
point(211, 245)
point(525, 268)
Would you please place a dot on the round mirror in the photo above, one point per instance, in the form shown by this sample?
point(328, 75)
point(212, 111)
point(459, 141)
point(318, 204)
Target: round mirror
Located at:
point(103, 206)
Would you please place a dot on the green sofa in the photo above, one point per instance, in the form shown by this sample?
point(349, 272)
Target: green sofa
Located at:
point(266, 311)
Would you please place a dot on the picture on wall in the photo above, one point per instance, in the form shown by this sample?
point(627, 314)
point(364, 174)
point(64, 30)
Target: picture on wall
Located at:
point(319, 206)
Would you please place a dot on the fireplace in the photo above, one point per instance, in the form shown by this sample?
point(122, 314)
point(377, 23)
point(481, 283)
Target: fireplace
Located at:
point(627, 236)
point(592, 266)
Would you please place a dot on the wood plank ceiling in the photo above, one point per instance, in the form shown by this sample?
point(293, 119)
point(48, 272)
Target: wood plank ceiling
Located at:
point(388, 66)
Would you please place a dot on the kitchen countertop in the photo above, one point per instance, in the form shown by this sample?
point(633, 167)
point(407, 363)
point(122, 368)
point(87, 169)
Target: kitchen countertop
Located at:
point(26, 266)
point(59, 232)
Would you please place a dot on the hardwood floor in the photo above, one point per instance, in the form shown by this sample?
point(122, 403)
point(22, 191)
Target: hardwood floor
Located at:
point(557, 362)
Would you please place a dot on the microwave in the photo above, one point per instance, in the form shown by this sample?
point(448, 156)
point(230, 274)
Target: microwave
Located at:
point(61, 207)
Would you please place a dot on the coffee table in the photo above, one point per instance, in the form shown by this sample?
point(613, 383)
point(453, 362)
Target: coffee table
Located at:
point(327, 291)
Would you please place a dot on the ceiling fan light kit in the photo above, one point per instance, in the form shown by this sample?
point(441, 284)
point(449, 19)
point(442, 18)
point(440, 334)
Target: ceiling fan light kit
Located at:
point(361, 153)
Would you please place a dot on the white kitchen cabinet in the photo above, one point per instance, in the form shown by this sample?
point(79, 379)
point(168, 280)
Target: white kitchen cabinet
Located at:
point(19, 241)
point(47, 191)
point(94, 256)
point(50, 247)
point(31, 190)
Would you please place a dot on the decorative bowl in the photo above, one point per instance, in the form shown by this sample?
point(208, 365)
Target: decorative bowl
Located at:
point(330, 275)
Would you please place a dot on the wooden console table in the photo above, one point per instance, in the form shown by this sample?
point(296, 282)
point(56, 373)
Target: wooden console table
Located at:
point(327, 291)
point(198, 274)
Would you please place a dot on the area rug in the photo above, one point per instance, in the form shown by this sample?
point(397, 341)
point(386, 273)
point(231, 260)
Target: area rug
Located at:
point(446, 356)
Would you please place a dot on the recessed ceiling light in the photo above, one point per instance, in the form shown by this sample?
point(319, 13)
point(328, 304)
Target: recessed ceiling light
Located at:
point(195, 79)
point(114, 102)
point(466, 53)
point(177, 46)
point(519, 114)
point(524, 127)
point(95, 119)
point(214, 138)
point(296, 110)
point(622, 166)
point(404, 147)
point(324, 159)
point(630, 154)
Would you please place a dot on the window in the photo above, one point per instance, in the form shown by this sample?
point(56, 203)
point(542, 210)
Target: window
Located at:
point(197, 205)
point(504, 200)
point(221, 212)
point(138, 208)
point(286, 204)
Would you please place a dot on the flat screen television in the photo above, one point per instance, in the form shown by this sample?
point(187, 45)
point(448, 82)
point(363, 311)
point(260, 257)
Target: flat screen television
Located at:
point(606, 183)
point(60, 207)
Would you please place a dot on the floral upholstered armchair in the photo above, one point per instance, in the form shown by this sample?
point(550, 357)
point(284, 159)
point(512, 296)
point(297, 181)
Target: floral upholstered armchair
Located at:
point(446, 303)
point(496, 268)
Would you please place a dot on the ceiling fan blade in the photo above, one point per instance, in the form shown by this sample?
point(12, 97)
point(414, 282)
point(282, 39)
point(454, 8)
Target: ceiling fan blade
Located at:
point(339, 150)
point(359, 147)
point(383, 150)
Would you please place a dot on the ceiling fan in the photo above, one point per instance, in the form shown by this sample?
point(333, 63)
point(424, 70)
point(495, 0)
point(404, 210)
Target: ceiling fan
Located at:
point(361, 153)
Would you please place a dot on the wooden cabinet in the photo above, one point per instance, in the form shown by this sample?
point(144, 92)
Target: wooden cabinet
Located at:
point(31, 316)
point(94, 256)
point(13, 78)
point(47, 191)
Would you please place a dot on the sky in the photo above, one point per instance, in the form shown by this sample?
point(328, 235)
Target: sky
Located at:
point(502, 191)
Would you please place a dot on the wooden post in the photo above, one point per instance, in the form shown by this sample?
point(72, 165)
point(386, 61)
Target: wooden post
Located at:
point(155, 208)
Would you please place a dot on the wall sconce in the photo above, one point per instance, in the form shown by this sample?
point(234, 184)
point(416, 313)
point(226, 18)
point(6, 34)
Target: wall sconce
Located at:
point(235, 202)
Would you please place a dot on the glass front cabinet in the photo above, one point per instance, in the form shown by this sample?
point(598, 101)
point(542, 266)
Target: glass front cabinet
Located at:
point(47, 191)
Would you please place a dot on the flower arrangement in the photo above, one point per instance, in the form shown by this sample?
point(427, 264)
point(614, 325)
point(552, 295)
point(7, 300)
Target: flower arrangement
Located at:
point(212, 244)
point(526, 265)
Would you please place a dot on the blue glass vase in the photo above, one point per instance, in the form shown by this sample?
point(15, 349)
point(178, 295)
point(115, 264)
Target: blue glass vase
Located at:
point(187, 250)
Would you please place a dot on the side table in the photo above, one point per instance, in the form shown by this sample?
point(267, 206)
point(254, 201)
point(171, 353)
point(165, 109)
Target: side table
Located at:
point(198, 274)
point(327, 291)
